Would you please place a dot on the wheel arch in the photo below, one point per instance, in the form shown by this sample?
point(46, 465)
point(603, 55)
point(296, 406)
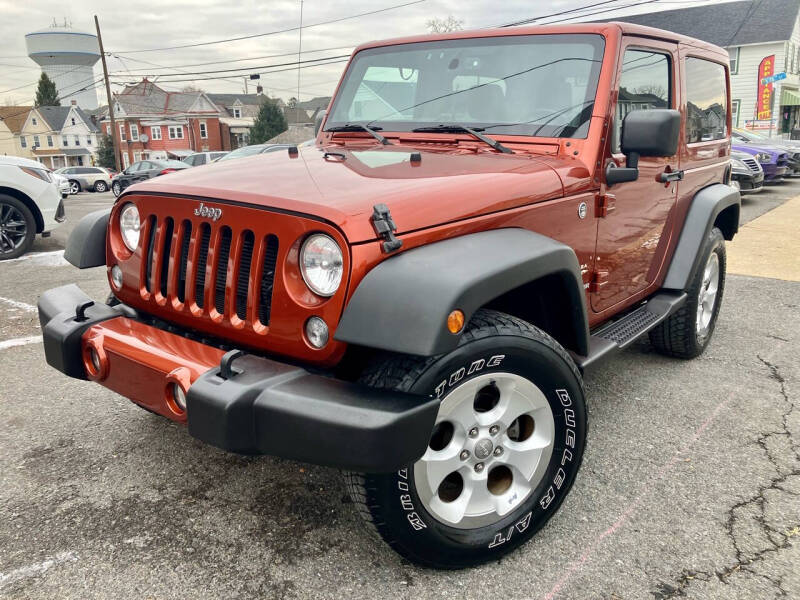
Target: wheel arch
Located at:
point(27, 201)
point(402, 304)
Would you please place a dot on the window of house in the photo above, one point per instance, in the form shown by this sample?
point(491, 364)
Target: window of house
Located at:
point(88, 140)
point(122, 132)
point(734, 58)
point(735, 104)
point(203, 130)
point(34, 121)
point(23, 142)
point(65, 140)
point(126, 161)
point(175, 132)
point(134, 132)
point(36, 142)
point(77, 140)
point(155, 132)
point(237, 113)
point(50, 141)
point(73, 120)
point(706, 101)
point(644, 84)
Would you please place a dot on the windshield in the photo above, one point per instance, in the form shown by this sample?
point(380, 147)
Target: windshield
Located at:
point(240, 152)
point(533, 85)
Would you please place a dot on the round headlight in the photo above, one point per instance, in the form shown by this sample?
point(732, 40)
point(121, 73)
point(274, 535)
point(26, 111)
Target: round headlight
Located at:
point(763, 157)
point(321, 264)
point(129, 226)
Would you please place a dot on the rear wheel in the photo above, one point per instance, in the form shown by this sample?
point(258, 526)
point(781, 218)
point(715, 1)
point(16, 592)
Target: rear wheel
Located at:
point(17, 228)
point(505, 449)
point(116, 188)
point(100, 186)
point(686, 333)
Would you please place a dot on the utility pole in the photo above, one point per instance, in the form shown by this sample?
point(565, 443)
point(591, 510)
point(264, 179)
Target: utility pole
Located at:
point(245, 86)
point(109, 99)
point(299, 51)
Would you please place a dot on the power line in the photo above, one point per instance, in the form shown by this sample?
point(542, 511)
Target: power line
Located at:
point(255, 35)
point(602, 11)
point(564, 12)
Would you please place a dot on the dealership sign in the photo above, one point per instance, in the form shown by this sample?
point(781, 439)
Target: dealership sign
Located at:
point(764, 99)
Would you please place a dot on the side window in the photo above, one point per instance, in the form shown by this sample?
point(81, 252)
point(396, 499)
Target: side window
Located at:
point(200, 159)
point(644, 84)
point(706, 101)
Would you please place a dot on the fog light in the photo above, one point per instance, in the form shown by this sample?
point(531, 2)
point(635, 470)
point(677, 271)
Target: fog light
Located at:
point(116, 277)
point(316, 332)
point(179, 396)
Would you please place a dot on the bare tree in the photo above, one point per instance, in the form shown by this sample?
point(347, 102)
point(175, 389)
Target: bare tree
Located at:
point(437, 25)
point(191, 88)
point(652, 88)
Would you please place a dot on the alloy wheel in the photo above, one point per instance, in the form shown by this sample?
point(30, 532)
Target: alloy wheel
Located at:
point(74, 188)
point(13, 228)
point(707, 296)
point(100, 186)
point(490, 448)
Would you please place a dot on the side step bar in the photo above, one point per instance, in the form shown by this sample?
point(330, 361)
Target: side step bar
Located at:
point(627, 329)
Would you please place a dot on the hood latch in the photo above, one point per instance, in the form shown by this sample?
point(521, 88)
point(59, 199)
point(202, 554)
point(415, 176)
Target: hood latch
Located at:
point(385, 228)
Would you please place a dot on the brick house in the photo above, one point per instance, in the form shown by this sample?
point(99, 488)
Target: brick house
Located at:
point(153, 123)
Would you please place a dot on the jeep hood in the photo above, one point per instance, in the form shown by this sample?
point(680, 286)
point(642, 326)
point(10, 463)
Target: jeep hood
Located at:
point(343, 186)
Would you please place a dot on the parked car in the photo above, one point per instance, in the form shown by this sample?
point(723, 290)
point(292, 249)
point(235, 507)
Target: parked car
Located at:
point(144, 170)
point(253, 150)
point(791, 147)
point(774, 162)
point(414, 299)
point(746, 173)
point(203, 158)
point(30, 203)
point(89, 179)
point(64, 186)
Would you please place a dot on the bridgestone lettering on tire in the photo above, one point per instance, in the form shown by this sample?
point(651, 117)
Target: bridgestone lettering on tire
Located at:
point(495, 350)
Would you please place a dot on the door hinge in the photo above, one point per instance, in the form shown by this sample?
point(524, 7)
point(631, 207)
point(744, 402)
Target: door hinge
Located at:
point(384, 226)
point(604, 204)
point(599, 279)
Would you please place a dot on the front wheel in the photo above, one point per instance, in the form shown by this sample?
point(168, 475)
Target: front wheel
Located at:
point(116, 188)
point(74, 187)
point(17, 228)
point(506, 446)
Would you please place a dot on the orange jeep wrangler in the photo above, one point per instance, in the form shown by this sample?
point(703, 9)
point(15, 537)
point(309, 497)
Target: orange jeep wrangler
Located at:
point(413, 298)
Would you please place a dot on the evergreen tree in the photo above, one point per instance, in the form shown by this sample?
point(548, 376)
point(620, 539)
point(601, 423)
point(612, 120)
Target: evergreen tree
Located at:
point(269, 123)
point(105, 152)
point(46, 93)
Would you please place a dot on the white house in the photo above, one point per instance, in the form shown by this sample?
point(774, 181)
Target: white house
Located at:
point(70, 137)
point(752, 31)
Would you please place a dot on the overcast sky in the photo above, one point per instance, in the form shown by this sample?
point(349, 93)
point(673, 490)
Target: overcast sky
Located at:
point(145, 24)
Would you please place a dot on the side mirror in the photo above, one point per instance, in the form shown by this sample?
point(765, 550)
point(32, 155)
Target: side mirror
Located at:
point(645, 133)
point(318, 121)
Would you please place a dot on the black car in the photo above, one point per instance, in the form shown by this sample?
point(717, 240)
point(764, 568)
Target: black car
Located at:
point(144, 169)
point(746, 173)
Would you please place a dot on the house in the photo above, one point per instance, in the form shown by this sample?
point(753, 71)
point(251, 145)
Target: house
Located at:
point(238, 113)
point(12, 118)
point(763, 39)
point(154, 123)
point(71, 139)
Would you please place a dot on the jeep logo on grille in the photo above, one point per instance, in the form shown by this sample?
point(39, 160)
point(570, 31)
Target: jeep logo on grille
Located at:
point(207, 212)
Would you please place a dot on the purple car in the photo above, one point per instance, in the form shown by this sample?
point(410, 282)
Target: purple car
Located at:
point(774, 162)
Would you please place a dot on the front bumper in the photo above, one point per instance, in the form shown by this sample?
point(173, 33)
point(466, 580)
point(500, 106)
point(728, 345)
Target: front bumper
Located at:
point(249, 404)
point(748, 183)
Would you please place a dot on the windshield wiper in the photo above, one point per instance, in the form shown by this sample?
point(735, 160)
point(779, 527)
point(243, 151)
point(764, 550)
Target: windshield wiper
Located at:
point(362, 127)
point(473, 132)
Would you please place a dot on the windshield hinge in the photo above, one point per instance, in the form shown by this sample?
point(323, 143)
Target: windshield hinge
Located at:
point(385, 228)
point(604, 204)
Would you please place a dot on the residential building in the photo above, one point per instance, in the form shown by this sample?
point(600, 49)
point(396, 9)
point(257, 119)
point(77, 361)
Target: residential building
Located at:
point(763, 39)
point(154, 123)
point(238, 113)
point(12, 118)
point(71, 139)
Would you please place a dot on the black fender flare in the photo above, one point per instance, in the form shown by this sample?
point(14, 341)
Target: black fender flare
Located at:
point(86, 245)
point(402, 304)
point(707, 206)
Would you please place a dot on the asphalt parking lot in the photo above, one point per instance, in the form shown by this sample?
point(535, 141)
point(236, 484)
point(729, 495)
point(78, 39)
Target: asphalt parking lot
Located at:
point(690, 486)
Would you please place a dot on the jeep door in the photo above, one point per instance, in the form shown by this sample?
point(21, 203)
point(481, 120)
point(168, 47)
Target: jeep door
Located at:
point(632, 238)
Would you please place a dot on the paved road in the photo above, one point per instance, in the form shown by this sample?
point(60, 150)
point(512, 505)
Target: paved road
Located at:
point(690, 486)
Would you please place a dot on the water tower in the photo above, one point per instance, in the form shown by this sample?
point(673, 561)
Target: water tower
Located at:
point(68, 57)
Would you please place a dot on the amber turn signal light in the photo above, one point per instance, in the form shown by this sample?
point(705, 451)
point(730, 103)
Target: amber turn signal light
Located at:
point(455, 321)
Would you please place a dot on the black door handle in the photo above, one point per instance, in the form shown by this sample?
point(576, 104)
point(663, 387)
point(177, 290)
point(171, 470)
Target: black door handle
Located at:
point(667, 177)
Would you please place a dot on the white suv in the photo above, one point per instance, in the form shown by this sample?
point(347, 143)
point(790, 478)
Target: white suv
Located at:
point(30, 203)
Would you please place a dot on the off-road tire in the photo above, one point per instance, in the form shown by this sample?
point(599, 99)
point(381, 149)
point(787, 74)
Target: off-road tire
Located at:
point(100, 186)
point(30, 227)
point(403, 521)
point(678, 335)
